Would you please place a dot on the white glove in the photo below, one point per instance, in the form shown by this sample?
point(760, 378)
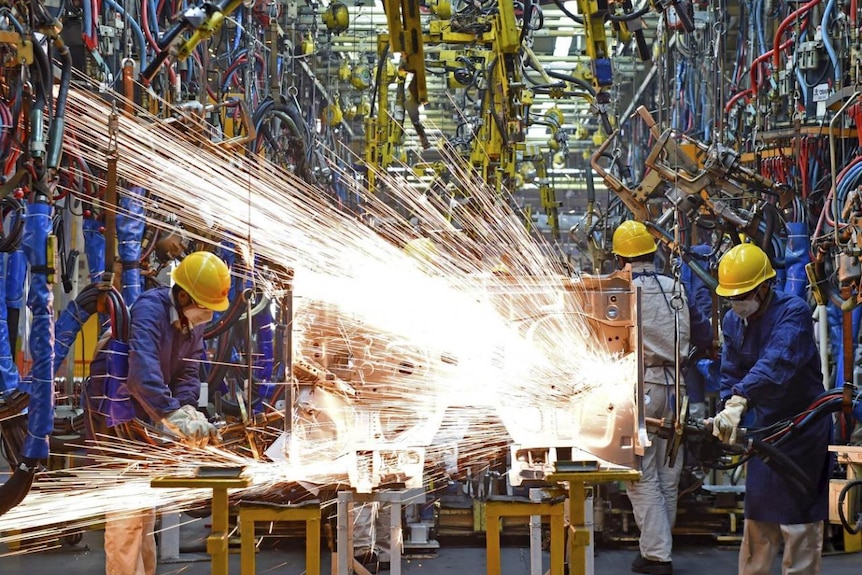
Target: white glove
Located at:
point(725, 423)
point(191, 425)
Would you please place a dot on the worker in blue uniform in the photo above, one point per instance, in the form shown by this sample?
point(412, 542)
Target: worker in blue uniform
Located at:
point(165, 349)
point(770, 366)
point(664, 310)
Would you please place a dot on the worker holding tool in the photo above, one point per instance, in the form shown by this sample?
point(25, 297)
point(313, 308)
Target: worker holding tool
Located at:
point(770, 366)
point(667, 330)
point(165, 349)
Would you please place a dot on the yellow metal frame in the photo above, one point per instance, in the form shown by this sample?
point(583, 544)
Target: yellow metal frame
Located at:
point(217, 542)
point(579, 533)
point(851, 456)
point(249, 514)
point(594, 12)
point(495, 510)
point(405, 36)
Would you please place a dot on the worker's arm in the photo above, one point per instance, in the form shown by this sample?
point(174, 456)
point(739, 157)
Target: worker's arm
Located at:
point(145, 381)
point(779, 357)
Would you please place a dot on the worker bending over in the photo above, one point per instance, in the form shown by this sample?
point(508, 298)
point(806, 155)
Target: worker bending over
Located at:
point(165, 351)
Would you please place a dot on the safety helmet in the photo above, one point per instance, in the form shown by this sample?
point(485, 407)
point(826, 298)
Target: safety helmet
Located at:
point(742, 269)
point(205, 277)
point(632, 239)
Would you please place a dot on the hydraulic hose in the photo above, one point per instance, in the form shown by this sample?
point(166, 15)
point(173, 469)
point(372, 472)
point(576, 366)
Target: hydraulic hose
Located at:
point(851, 529)
point(8, 369)
point(72, 319)
point(18, 486)
point(130, 225)
point(791, 472)
point(58, 122)
point(40, 420)
point(40, 302)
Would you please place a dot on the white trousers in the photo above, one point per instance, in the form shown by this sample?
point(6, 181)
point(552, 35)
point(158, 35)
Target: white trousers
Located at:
point(654, 499)
point(761, 542)
point(371, 529)
point(130, 546)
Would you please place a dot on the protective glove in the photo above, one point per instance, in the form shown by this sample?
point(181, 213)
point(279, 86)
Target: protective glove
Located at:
point(725, 423)
point(191, 425)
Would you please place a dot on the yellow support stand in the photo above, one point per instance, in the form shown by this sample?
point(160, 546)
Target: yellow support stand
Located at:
point(494, 510)
point(250, 513)
point(851, 456)
point(579, 533)
point(217, 542)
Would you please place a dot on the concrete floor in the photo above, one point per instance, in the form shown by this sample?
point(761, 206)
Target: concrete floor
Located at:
point(88, 558)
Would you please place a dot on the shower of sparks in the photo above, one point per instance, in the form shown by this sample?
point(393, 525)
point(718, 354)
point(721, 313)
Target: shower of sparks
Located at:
point(440, 345)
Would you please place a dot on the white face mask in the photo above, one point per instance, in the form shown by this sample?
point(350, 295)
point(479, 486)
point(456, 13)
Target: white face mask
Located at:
point(197, 316)
point(745, 308)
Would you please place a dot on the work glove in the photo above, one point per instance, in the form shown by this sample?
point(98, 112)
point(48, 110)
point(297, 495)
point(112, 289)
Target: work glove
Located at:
point(727, 420)
point(191, 426)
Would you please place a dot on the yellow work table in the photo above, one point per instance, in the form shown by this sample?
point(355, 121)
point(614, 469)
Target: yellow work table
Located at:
point(579, 533)
point(217, 542)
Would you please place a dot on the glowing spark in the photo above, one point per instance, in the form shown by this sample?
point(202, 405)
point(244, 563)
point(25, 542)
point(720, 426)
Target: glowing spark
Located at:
point(440, 349)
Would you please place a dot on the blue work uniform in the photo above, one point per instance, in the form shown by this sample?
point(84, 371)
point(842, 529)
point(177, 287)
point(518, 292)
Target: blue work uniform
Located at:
point(773, 362)
point(164, 362)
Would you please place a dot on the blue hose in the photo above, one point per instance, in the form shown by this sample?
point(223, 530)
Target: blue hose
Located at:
point(16, 272)
point(37, 227)
point(119, 408)
point(8, 369)
point(827, 41)
point(796, 257)
point(68, 326)
point(130, 233)
point(94, 247)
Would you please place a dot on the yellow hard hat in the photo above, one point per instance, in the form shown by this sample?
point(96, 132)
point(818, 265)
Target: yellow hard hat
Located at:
point(632, 239)
point(205, 277)
point(742, 269)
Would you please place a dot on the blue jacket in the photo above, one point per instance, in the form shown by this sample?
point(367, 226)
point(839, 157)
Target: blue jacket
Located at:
point(774, 363)
point(164, 362)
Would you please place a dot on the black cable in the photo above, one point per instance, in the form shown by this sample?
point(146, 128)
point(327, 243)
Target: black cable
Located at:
point(631, 16)
point(565, 11)
point(854, 529)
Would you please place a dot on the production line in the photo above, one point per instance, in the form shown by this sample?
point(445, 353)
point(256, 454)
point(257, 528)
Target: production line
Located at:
point(398, 277)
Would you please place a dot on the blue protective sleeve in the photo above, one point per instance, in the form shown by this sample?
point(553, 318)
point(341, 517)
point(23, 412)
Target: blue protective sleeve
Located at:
point(130, 232)
point(37, 227)
point(120, 408)
point(8, 369)
point(67, 328)
point(796, 257)
point(16, 272)
point(94, 247)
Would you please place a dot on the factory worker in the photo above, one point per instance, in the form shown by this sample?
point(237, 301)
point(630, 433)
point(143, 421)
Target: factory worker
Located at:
point(165, 349)
point(770, 366)
point(663, 304)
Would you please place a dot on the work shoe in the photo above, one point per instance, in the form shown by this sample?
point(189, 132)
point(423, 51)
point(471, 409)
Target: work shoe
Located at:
point(371, 562)
point(644, 565)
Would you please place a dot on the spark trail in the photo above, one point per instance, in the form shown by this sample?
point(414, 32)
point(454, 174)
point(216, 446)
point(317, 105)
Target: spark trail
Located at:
point(472, 338)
